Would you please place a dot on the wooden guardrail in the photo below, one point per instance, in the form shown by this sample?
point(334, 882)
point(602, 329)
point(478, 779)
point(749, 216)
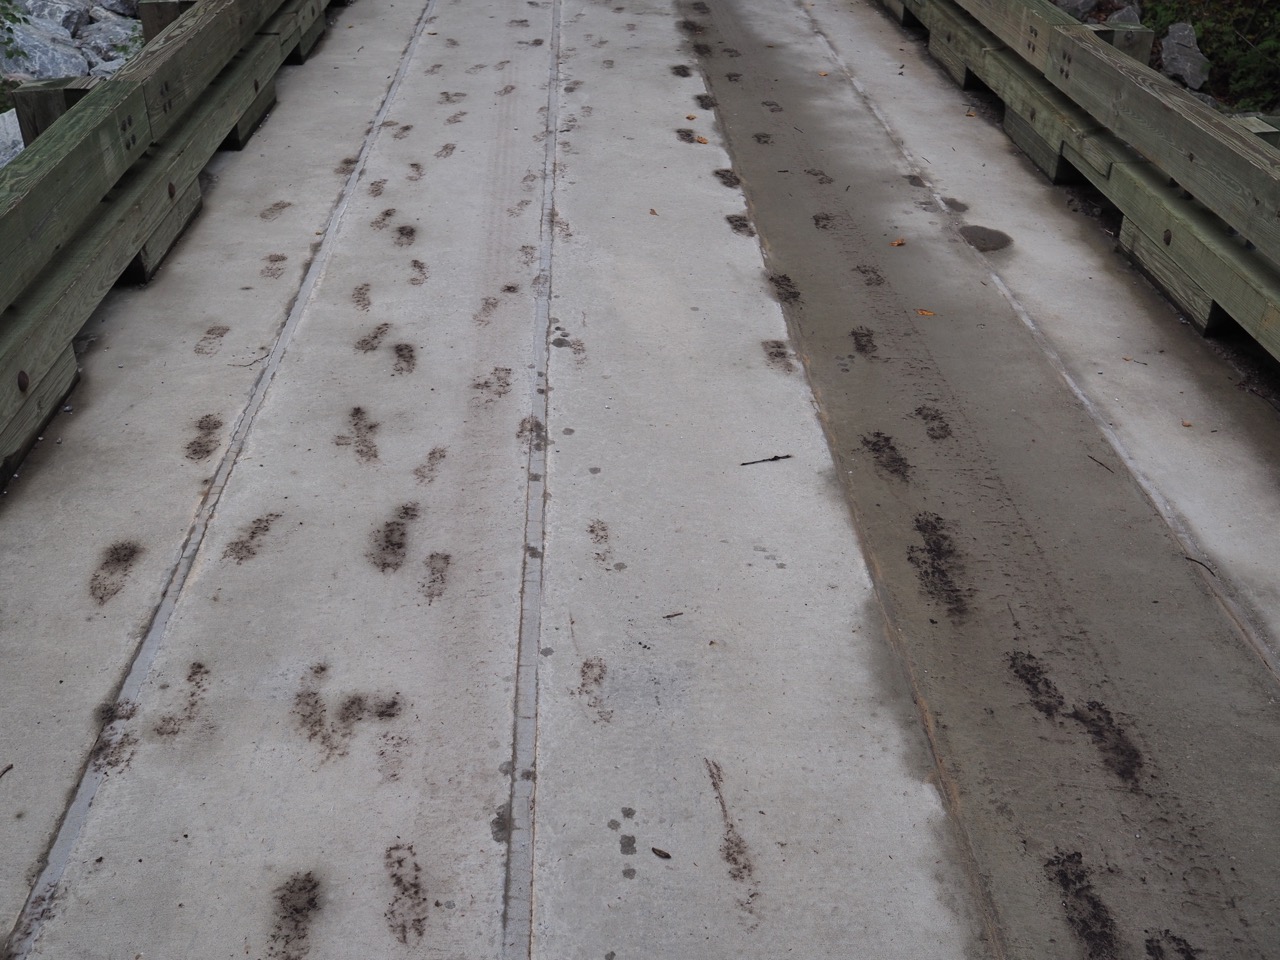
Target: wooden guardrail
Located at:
point(109, 179)
point(1200, 192)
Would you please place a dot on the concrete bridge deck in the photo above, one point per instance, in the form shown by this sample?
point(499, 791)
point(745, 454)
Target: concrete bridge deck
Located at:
point(578, 491)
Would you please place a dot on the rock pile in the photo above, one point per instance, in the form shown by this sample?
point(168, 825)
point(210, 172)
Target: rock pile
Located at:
point(66, 38)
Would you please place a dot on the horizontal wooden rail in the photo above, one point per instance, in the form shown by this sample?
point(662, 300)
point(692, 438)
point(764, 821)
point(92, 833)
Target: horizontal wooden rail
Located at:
point(109, 179)
point(1200, 192)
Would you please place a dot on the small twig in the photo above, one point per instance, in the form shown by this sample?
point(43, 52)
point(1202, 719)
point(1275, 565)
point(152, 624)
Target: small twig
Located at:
point(1099, 463)
point(781, 456)
point(1202, 563)
point(672, 616)
point(251, 362)
point(6, 770)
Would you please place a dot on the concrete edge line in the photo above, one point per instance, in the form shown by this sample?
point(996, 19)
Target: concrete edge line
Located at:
point(517, 905)
point(37, 909)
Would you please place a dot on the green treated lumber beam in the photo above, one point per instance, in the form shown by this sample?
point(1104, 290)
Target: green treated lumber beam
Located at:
point(158, 14)
point(175, 68)
point(1024, 26)
point(40, 403)
point(1258, 126)
point(40, 103)
point(1228, 170)
point(52, 310)
point(50, 190)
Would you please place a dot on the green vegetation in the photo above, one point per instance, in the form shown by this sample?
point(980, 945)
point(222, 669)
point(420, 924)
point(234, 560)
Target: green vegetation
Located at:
point(1241, 38)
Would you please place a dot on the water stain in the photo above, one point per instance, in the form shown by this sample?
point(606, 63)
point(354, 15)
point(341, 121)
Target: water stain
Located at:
point(985, 239)
point(958, 206)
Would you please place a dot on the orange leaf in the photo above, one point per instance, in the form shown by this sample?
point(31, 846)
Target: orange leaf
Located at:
point(691, 116)
point(702, 140)
point(822, 73)
point(970, 114)
point(1186, 423)
point(926, 313)
point(897, 243)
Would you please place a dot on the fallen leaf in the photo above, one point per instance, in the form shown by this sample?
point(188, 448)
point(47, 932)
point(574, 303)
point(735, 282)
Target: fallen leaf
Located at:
point(661, 854)
point(897, 243)
point(1127, 359)
point(653, 212)
point(970, 114)
point(926, 313)
point(701, 140)
point(691, 116)
point(822, 73)
point(1186, 423)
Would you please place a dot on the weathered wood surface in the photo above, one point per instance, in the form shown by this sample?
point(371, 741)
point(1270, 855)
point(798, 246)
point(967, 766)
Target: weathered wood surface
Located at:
point(179, 64)
point(1024, 26)
point(1227, 169)
point(158, 14)
point(42, 102)
point(49, 191)
point(40, 403)
point(44, 321)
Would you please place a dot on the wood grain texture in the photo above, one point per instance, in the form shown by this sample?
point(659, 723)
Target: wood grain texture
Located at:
point(50, 190)
point(49, 314)
point(1227, 169)
point(41, 402)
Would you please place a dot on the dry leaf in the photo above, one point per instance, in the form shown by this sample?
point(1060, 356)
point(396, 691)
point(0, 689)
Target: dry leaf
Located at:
point(897, 243)
point(970, 114)
point(691, 116)
point(702, 140)
point(822, 73)
point(1186, 423)
point(653, 212)
point(926, 313)
point(1127, 359)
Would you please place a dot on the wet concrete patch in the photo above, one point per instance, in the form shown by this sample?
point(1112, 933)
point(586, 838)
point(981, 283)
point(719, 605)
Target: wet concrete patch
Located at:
point(985, 239)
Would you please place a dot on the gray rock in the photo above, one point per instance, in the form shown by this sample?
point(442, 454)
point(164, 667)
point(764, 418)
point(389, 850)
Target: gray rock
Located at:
point(1077, 8)
point(44, 55)
point(10, 137)
point(1130, 14)
point(107, 67)
point(68, 16)
point(126, 8)
point(111, 40)
point(100, 14)
point(1182, 57)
